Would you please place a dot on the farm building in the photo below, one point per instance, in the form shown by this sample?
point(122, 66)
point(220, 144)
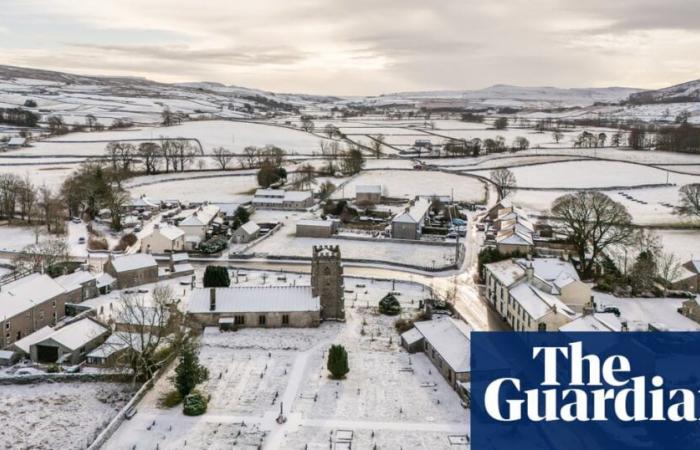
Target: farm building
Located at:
point(80, 286)
point(689, 278)
point(70, 344)
point(197, 224)
point(16, 142)
point(247, 232)
point(23, 346)
point(281, 199)
point(445, 342)
point(315, 228)
point(163, 239)
point(409, 224)
point(368, 194)
point(132, 270)
point(28, 304)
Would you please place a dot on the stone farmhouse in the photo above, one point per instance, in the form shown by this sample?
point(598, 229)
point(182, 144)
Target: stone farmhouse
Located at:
point(535, 295)
point(28, 304)
point(132, 270)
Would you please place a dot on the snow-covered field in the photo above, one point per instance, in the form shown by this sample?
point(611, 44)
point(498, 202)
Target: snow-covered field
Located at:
point(409, 183)
point(57, 415)
point(285, 243)
point(655, 210)
point(685, 244)
point(388, 398)
point(593, 174)
point(232, 135)
point(231, 188)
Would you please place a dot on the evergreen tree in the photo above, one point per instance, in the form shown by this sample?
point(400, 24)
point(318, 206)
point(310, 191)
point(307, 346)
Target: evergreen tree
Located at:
point(389, 305)
point(189, 373)
point(338, 362)
point(216, 276)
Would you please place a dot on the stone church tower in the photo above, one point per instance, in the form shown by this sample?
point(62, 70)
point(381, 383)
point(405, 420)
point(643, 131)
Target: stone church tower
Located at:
point(327, 281)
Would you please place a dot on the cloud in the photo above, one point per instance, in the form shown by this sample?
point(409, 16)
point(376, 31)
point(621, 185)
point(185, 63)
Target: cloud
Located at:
point(362, 46)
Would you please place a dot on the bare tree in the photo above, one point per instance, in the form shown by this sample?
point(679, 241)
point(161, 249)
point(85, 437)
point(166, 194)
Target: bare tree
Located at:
point(557, 135)
point(376, 145)
point(249, 158)
point(669, 268)
point(592, 222)
point(146, 328)
point(43, 255)
point(222, 157)
point(689, 201)
point(504, 180)
point(150, 154)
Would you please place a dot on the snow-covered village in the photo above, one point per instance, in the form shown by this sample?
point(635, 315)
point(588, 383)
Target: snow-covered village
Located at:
point(188, 263)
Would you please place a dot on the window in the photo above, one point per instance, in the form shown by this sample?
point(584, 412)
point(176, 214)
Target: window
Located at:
point(7, 325)
point(542, 327)
point(285, 319)
point(239, 320)
point(53, 303)
point(262, 320)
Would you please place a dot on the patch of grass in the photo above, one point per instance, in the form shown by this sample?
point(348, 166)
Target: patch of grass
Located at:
point(170, 399)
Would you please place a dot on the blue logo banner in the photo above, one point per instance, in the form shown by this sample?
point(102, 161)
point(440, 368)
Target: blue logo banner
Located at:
point(541, 391)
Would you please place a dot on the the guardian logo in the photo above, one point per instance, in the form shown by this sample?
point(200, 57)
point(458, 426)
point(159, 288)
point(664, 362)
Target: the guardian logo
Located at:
point(593, 389)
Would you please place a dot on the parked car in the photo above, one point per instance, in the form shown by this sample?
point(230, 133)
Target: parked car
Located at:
point(81, 240)
point(76, 220)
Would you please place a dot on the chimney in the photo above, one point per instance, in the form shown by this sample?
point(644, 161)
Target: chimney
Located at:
point(529, 271)
point(212, 299)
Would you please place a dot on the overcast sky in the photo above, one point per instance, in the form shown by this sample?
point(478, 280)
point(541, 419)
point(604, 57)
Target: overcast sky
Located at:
point(361, 46)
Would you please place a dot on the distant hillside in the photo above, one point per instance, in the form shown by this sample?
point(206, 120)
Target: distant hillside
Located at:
point(134, 98)
point(517, 96)
point(680, 93)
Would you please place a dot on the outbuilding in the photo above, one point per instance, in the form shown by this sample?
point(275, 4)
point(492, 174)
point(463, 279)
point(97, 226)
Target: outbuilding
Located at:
point(71, 343)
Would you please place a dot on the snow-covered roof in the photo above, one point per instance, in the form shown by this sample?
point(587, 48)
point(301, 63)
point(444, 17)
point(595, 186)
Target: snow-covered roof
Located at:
point(506, 272)
point(16, 141)
point(297, 196)
point(179, 257)
point(514, 237)
point(415, 213)
point(183, 267)
point(693, 265)
point(594, 322)
point(133, 262)
point(450, 338)
point(368, 189)
point(202, 216)
point(170, 232)
point(315, 223)
point(554, 271)
point(6, 355)
point(25, 293)
point(228, 209)
point(279, 193)
point(250, 227)
point(412, 336)
point(105, 279)
point(27, 341)
point(75, 280)
point(255, 299)
point(537, 303)
point(142, 202)
point(77, 334)
point(119, 341)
